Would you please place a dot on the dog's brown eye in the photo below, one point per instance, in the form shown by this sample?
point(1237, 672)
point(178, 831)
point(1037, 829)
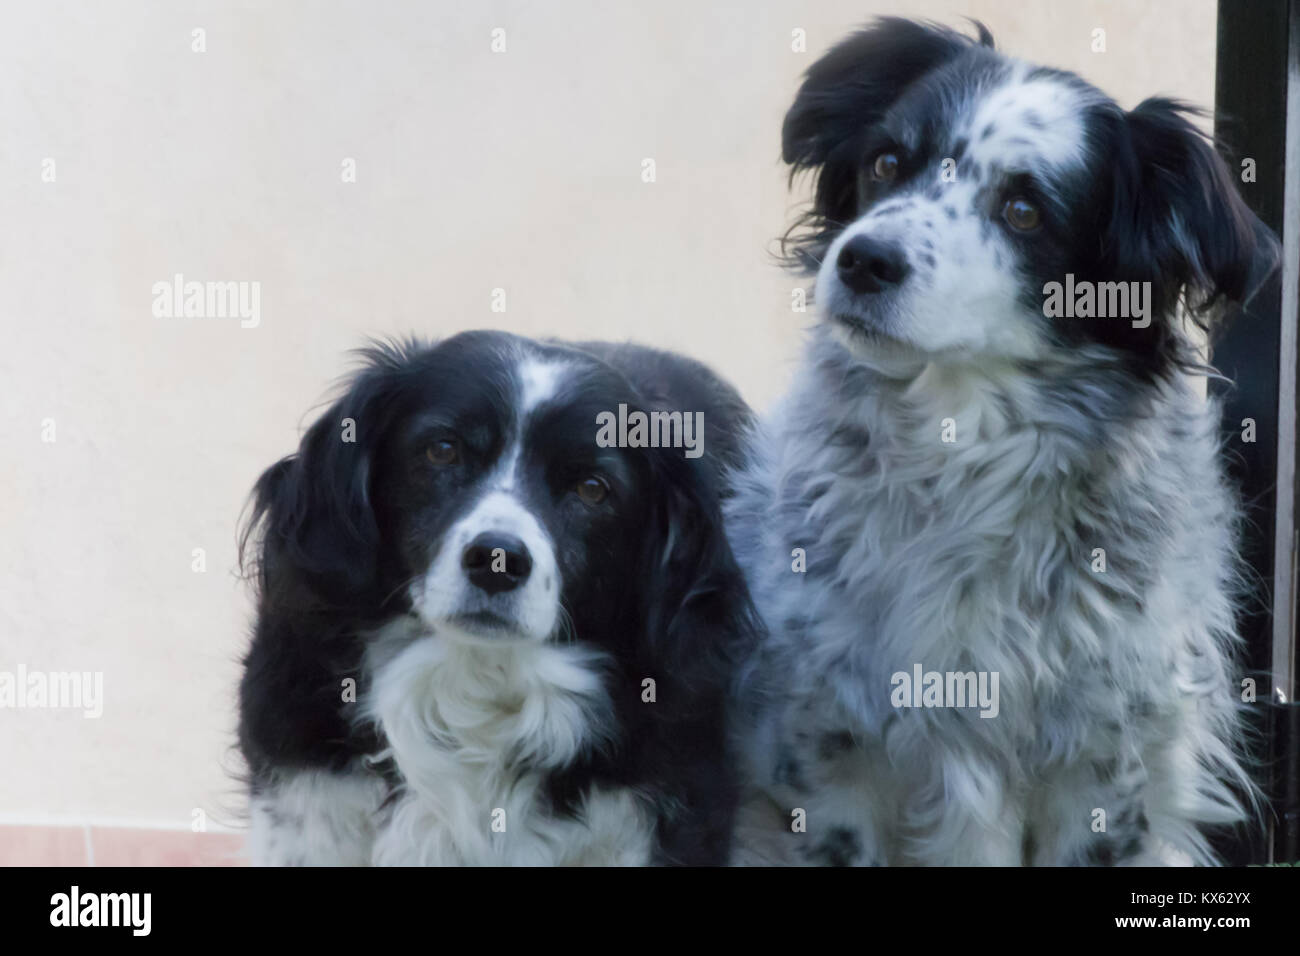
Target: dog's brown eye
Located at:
point(1020, 214)
point(592, 490)
point(885, 167)
point(445, 452)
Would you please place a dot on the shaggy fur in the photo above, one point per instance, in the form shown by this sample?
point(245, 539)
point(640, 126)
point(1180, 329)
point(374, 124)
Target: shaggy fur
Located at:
point(405, 702)
point(978, 488)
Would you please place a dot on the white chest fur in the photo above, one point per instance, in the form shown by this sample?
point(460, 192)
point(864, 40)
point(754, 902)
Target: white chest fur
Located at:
point(474, 730)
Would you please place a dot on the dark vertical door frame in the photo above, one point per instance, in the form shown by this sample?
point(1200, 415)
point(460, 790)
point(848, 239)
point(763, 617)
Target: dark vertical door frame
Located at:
point(1257, 100)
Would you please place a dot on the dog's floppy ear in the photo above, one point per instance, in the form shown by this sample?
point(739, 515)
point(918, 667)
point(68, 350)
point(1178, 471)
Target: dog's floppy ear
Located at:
point(699, 628)
point(846, 92)
point(1178, 218)
point(700, 623)
point(312, 521)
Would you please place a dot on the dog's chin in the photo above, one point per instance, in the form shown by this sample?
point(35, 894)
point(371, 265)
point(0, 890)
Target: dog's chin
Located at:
point(482, 628)
point(863, 332)
point(867, 338)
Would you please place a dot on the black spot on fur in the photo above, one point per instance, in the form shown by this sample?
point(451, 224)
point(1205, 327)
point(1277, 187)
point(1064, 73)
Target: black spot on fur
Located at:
point(1109, 851)
point(850, 436)
point(1100, 853)
point(833, 744)
point(988, 131)
point(789, 772)
point(1028, 847)
point(840, 847)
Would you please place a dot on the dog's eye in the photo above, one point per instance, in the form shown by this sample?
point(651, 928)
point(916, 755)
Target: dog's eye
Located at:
point(592, 490)
point(443, 452)
point(1020, 214)
point(885, 167)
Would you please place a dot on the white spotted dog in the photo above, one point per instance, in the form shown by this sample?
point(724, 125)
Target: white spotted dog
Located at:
point(976, 483)
point(483, 636)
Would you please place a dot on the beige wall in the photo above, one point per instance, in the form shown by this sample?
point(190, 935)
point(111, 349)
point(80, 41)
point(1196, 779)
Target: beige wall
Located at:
point(518, 170)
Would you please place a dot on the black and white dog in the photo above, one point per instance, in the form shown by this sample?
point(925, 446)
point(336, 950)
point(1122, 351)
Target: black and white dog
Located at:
point(483, 636)
point(1012, 640)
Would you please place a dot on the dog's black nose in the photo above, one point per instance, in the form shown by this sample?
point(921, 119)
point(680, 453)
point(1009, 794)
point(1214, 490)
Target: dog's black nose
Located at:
point(496, 562)
point(871, 265)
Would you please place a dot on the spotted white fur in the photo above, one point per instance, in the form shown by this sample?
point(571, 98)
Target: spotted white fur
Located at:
point(1000, 137)
point(944, 227)
point(950, 477)
point(1117, 688)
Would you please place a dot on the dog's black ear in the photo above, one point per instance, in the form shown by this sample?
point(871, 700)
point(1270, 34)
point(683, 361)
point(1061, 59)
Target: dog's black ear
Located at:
point(700, 629)
point(1178, 218)
point(844, 93)
point(700, 622)
point(313, 540)
point(312, 522)
point(853, 84)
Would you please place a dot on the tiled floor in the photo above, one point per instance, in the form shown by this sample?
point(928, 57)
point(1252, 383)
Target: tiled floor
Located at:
point(117, 846)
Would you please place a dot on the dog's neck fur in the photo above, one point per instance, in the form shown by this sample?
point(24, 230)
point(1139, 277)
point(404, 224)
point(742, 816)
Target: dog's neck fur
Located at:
point(1072, 402)
point(982, 483)
point(475, 730)
point(977, 554)
point(495, 707)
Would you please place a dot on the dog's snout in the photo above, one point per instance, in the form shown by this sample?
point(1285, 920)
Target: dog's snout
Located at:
point(496, 562)
point(866, 264)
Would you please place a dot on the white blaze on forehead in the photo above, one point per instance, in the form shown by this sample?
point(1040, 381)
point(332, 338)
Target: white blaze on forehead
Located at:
point(445, 591)
point(1033, 122)
point(503, 513)
point(539, 380)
